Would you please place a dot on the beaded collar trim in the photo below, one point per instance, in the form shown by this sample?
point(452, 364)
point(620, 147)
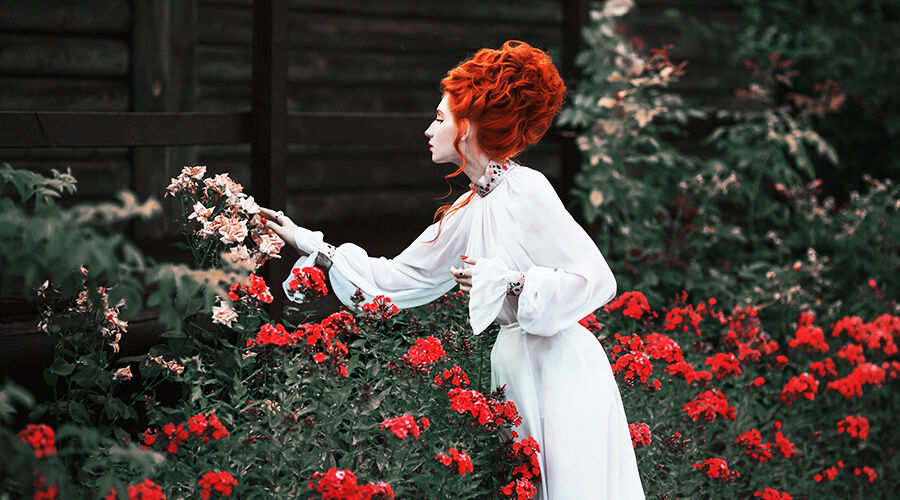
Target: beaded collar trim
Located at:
point(493, 174)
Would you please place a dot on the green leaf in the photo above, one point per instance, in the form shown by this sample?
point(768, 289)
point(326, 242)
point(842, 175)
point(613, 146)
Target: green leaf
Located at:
point(60, 367)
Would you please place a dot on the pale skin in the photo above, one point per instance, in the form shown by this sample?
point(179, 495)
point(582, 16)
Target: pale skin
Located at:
point(441, 134)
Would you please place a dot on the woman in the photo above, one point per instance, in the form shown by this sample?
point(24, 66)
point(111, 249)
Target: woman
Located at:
point(533, 268)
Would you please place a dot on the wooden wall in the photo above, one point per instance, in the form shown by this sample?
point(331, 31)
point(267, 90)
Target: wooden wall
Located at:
point(344, 55)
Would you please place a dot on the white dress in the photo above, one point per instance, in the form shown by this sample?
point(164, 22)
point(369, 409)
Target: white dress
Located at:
point(554, 370)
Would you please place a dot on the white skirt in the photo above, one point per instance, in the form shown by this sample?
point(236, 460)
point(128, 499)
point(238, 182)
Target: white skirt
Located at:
point(566, 393)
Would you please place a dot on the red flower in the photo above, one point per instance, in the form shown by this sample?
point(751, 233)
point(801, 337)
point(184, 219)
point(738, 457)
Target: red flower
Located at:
point(202, 426)
point(716, 468)
point(488, 413)
point(462, 460)
point(801, 386)
point(724, 365)
point(857, 426)
point(752, 443)
point(823, 368)
point(633, 304)
point(342, 485)
point(772, 494)
point(635, 364)
point(870, 473)
point(404, 425)
point(42, 491)
point(787, 448)
point(223, 482)
point(308, 282)
point(380, 308)
point(659, 346)
point(41, 437)
point(759, 381)
point(520, 489)
point(258, 289)
point(425, 352)
point(590, 322)
point(146, 490)
point(455, 375)
point(640, 434)
point(808, 337)
point(708, 405)
point(273, 335)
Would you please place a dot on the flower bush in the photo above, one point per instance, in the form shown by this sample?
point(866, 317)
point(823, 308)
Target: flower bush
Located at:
point(753, 338)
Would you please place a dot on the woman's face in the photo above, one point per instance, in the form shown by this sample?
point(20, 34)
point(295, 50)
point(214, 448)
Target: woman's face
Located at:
point(441, 134)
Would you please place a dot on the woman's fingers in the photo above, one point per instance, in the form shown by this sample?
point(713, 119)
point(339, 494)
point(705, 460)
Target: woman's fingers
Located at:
point(463, 277)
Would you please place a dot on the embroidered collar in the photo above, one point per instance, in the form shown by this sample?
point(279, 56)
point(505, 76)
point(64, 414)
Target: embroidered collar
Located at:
point(493, 174)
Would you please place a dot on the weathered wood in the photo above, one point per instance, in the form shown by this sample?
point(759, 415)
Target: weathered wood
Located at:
point(334, 30)
point(55, 94)
point(522, 11)
point(397, 97)
point(104, 17)
point(63, 56)
point(269, 117)
point(23, 129)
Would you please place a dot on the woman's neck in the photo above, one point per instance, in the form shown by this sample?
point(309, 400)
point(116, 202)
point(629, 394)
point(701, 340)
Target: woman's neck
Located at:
point(476, 166)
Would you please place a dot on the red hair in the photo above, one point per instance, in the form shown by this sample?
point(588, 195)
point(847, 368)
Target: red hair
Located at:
point(510, 95)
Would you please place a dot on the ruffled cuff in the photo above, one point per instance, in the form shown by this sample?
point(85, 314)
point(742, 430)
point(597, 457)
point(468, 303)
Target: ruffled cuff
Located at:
point(492, 281)
point(308, 241)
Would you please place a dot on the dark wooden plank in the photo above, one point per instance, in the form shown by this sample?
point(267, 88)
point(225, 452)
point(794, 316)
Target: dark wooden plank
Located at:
point(269, 135)
point(522, 11)
point(52, 16)
point(310, 29)
point(63, 56)
point(23, 129)
point(55, 94)
point(334, 98)
point(162, 80)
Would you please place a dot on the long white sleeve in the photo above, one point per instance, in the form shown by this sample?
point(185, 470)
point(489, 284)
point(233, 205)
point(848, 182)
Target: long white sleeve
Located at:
point(420, 274)
point(568, 276)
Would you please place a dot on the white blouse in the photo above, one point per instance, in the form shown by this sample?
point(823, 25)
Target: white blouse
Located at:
point(516, 224)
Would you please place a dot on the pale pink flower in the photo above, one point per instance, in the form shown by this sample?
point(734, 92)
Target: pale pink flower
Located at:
point(232, 230)
point(209, 228)
point(177, 184)
point(270, 244)
point(224, 315)
point(240, 252)
point(123, 373)
point(195, 172)
point(248, 205)
point(200, 212)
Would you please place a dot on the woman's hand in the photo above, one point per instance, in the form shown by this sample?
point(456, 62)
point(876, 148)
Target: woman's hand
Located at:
point(282, 225)
point(464, 276)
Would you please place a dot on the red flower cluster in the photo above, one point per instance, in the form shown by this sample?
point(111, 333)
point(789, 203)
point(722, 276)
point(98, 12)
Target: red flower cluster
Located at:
point(308, 282)
point(633, 304)
point(787, 448)
point(686, 370)
point(590, 322)
point(380, 308)
point(772, 494)
point(145, 490)
point(404, 425)
point(753, 445)
point(808, 337)
point(462, 460)
point(203, 427)
point(870, 473)
point(659, 346)
point(42, 491)
point(520, 489)
point(716, 468)
point(425, 352)
point(455, 375)
point(877, 335)
point(829, 473)
point(41, 437)
point(708, 405)
point(857, 426)
point(863, 373)
point(744, 323)
point(319, 338)
point(640, 434)
point(627, 343)
point(800, 386)
point(522, 459)
point(489, 413)
point(851, 353)
point(823, 368)
point(258, 289)
point(223, 482)
point(724, 365)
point(342, 485)
point(636, 364)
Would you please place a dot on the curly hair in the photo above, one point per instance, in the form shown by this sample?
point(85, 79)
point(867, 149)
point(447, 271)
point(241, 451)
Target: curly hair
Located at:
point(510, 95)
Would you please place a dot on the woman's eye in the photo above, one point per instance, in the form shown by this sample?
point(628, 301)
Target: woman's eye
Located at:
point(438, 120)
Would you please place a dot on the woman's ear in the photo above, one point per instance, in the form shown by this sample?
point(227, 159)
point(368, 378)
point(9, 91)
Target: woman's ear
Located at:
point(467, 130)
